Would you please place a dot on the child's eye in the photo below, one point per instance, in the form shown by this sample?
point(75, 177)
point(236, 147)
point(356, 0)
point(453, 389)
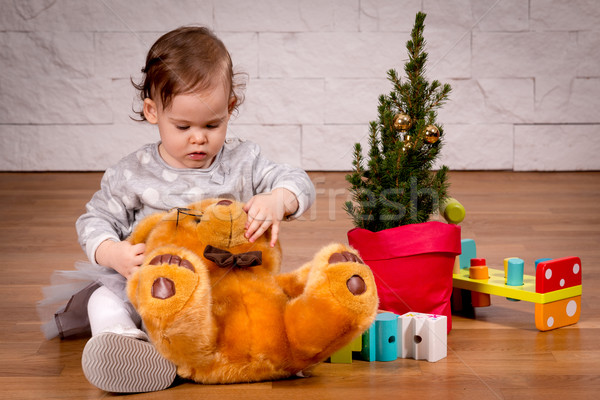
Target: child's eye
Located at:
point(182, 127)
point(214, 126)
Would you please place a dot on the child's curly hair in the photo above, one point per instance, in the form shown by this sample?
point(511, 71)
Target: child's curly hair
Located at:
point(184, 60)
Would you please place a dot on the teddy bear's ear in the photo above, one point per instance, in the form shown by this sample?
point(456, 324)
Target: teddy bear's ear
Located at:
point(144, 227)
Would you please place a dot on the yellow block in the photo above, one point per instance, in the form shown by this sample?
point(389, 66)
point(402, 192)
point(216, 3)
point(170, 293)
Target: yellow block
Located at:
point(496, 285)
point(344, 355)
point(453, 211)
point(557, 314)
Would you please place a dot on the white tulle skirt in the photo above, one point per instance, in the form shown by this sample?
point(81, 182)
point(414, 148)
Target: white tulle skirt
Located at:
point(65, 300)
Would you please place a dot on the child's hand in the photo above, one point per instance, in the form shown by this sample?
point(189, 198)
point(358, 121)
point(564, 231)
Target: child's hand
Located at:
point(123, 257)
point(269, 209)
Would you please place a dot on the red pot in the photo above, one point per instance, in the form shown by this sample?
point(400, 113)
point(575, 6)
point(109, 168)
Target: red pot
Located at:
point(412, 265)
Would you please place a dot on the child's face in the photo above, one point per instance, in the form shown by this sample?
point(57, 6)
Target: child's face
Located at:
point(193, 128)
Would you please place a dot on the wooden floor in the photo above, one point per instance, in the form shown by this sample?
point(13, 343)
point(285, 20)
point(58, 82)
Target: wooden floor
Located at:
point(498, 355)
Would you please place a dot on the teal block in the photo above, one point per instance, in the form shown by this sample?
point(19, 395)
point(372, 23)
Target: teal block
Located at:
point(540, 260)
point(514, 274)
point(386, 331)
point(468, 251)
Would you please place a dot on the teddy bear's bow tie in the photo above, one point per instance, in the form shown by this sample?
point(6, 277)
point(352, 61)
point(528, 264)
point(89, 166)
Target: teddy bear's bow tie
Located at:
point(226, 259)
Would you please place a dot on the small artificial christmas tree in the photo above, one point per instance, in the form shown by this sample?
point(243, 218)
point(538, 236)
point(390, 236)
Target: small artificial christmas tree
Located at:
point(397, 186)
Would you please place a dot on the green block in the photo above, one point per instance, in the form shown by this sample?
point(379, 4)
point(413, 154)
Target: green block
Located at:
point(369, 344)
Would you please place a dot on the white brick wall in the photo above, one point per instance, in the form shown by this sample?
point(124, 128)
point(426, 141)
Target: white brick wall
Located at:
point(525, 77)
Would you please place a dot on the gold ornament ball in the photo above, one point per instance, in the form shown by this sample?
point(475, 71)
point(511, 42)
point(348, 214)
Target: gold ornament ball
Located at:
point(408, 144)
point(432, 134)
point(402, 122)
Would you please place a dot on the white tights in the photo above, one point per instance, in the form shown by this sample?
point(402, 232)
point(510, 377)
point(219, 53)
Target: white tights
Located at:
point(109, 313)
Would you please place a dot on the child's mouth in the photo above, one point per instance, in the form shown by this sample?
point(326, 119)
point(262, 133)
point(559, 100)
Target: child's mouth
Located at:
point(198, 156)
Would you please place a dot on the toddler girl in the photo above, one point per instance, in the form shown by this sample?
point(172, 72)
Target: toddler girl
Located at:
point(189, 92)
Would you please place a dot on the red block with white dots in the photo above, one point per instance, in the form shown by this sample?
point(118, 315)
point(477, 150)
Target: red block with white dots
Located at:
point(557, 274)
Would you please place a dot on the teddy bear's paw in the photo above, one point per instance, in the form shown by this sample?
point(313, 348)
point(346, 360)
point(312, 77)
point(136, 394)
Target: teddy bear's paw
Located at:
point(339, 271)
point(342, 288)
point(355, 284)
point(167, 281)
point(164, 288)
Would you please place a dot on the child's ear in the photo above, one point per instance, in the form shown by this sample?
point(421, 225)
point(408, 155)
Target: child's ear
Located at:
point(231, 105)
point(150, 111)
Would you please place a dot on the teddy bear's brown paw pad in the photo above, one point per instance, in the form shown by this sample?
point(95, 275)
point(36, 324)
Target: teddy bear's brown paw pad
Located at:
point(173, 260)
point(356, 285)
point(344, 256)
point(163, 288)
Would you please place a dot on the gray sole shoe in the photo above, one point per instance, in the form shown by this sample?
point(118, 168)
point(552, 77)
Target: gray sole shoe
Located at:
point(122, 364)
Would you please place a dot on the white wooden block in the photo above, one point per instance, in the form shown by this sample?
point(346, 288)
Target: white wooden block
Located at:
point(424, 336)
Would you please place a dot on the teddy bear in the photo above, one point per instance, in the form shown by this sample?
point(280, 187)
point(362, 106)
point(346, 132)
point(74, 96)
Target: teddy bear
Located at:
point(217, 306)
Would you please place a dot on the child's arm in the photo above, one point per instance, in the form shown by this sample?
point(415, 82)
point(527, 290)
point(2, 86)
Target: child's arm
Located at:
point(268, 210)
point(107, 221)
point(123, 256)
point(280, 190)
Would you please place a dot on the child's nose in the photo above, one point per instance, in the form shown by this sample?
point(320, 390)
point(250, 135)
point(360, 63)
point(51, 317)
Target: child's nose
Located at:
point(198, 137)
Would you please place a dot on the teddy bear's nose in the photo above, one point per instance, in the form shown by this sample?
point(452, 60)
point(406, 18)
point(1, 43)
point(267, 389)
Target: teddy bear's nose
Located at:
point(224, 202)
